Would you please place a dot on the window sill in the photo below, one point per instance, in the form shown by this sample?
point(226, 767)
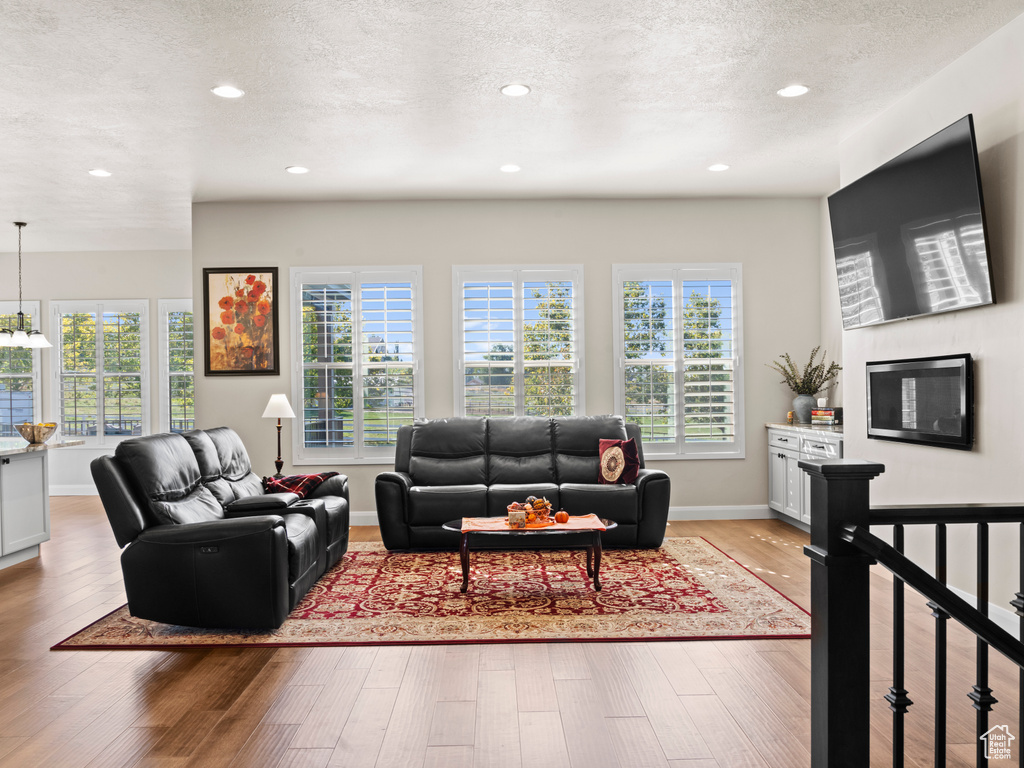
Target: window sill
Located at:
point(329, 461)
point(649, 457)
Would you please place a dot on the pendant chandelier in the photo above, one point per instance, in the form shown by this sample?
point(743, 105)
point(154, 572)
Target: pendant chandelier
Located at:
point(19, 337)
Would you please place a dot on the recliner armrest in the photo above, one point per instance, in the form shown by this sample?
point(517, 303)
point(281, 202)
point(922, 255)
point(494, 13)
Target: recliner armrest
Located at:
point(401, 478)
point(646, 476)
point(254, 505)
point(391, 491)
point(332, 486)
point(653, 491)
point(215, 530)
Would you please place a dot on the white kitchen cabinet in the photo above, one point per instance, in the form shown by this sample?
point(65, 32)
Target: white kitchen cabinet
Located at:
point(24, 498)
point(24, 502)
point(789, 487)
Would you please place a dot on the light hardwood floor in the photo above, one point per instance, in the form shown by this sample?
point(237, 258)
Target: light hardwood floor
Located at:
point(685, 705)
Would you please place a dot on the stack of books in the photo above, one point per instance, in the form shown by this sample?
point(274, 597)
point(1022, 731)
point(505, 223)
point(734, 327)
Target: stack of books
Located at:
point(826, 417)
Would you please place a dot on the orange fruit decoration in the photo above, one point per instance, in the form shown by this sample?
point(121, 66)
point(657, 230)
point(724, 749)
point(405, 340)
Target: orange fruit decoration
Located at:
point(561, 516)
point(531, 517)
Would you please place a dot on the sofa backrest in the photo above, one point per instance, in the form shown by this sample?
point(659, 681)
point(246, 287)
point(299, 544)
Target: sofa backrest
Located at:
point(164, 473)
point(513, 450)
point(224, 464)
point(576, 440)
point(519, 450)
point(449, 452)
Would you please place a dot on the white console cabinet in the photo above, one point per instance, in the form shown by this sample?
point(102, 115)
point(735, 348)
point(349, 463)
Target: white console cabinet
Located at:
point(789, 487)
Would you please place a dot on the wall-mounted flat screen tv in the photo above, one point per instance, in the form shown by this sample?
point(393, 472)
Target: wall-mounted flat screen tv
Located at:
point(910, 236)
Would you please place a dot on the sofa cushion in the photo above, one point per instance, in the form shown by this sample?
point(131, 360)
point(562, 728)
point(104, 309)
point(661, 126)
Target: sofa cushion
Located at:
point(576, 441)
point(235, 467)
point(615, 502)
point(200, 506)
point(165, 471)
point(437, 504)
point(500, 495)
point(449, 452)
point(519, 450)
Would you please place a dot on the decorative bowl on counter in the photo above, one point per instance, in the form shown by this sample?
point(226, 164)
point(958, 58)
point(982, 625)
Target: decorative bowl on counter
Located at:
point(36, 434)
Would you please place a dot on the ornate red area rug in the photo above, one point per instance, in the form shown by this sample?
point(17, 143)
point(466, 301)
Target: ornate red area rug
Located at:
point(686, 590)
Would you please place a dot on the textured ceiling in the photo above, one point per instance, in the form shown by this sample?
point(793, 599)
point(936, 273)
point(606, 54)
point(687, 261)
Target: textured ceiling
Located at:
point(399, 99)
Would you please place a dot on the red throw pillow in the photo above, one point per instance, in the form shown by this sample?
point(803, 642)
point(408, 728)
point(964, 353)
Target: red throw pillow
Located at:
point(620, 462)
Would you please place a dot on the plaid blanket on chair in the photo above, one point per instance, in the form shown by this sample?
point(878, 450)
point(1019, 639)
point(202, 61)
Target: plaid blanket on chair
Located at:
point(302, 485)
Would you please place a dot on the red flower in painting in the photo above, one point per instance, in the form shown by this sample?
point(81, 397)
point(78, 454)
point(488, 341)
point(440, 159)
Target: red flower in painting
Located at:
point(252, 298)
point(218, 333)
point(247, 352)
point(241, 307)
point(263, 306)
point(250, 279)
point(239, 328)
point(225, 303)
point(227, 317)
point(240, 292)
point(259, 321)
point(259, 287)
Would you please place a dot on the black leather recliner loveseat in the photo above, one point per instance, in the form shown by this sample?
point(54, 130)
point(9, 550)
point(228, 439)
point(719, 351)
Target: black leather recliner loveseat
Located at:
point(475, 467)
point(203, 545)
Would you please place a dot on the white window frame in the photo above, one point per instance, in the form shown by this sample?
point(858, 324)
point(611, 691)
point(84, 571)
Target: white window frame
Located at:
point(356, 276)
point(58, 308)
point(164, 309)
point(30, 308)
point(518, 276)
point(678, 274)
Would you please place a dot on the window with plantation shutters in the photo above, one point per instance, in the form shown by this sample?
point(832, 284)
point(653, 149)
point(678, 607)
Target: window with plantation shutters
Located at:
point(518, 340)
point(678, 357)
point(19, 372)
point(177, 381)
point(101, 371)
point(359, 375)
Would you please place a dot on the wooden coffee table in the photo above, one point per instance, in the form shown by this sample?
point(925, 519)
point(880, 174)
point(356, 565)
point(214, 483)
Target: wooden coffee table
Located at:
point(593, 548)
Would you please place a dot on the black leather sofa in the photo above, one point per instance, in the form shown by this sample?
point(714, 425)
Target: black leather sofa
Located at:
point(203, 546)
point(475, 467)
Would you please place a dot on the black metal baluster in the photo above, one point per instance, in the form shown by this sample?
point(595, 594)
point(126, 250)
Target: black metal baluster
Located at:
point(982, 694)
point(897, 696)
point(940, 648)
point(1018, 606)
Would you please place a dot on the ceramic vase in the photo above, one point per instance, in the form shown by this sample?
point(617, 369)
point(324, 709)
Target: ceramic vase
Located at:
point(802, 406)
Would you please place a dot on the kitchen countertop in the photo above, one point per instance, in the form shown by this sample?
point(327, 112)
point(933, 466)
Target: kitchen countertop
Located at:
point(806, 428)
point(9, 446)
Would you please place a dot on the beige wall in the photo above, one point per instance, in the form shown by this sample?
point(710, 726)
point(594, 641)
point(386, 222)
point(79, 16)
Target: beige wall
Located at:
point(80, 276)
point(988, 82)
point(778, 242)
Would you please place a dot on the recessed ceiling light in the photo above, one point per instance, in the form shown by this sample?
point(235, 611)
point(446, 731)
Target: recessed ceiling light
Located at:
point(296, 169)
point(510, 168)
point(228, 91)
point(717, 167)
point(99, 172)
point(515, 89)
point(793, 90)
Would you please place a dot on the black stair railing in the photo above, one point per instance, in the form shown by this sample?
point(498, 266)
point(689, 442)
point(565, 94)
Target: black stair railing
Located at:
point(841, 550)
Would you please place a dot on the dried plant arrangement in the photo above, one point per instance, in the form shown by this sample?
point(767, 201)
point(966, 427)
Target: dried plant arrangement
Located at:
point(813, 379)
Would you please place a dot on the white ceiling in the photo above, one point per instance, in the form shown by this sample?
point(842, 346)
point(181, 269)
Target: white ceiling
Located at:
point(399, 99)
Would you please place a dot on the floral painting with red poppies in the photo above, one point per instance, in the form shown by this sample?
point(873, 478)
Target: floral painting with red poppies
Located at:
point(241, 321)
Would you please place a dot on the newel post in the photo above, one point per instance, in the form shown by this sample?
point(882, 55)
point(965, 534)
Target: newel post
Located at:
point(839, 613)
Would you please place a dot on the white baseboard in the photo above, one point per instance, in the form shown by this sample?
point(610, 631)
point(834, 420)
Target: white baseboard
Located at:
point(1001, 616)
point(747, 512)
point(73, 490)
point(362, 518)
